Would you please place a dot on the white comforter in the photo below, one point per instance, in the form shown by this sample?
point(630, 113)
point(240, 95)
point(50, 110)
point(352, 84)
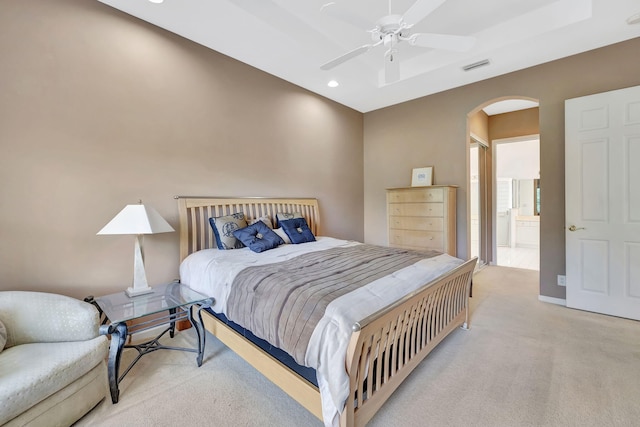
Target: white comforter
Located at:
point(212, 271)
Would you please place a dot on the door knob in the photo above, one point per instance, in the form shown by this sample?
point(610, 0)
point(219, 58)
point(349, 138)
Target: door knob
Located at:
point(574, 228)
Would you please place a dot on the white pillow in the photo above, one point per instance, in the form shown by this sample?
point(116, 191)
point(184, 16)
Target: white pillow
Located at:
point(280, 232)
point(3, 336)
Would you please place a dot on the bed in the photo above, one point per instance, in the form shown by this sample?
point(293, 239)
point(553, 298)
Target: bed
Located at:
point(382, 347)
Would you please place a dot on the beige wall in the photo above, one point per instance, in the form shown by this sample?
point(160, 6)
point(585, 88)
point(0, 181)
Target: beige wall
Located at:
point(98, 109)
point(433, 130)
point(514, 124)
point(479, 126)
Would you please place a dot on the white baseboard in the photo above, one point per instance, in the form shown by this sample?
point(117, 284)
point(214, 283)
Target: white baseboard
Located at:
point(551, 300)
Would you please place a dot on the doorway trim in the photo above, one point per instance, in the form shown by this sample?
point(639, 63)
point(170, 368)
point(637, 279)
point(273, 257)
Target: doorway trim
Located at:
point(483, 195)
point(489, 232)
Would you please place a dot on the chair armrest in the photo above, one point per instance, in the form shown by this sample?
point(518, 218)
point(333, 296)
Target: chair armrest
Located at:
point(43, 317)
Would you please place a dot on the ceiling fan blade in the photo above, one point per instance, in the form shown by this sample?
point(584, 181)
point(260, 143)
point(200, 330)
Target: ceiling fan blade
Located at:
point(442, 41)
point(334, 10)
point(420, 10)
point(347, 56)
point(391, 66)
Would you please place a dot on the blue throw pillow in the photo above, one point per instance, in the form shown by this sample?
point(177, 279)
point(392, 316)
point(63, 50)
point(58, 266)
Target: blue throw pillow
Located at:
point(258, 237)
point(283, 216)
point(298, 230)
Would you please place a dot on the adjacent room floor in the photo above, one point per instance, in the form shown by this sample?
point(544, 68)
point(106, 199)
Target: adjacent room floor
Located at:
point(528, 258)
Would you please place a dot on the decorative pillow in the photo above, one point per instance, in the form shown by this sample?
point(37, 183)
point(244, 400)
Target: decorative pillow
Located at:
point(266, 219)
point(281, 216)
point(280, 232)
point(3, 336)
point(223, 228)
point(298, 230)
point(258, 237)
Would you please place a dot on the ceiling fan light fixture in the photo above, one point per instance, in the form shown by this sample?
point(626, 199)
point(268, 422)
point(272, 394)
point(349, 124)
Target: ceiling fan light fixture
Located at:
point(475, 65)
point(392, 29)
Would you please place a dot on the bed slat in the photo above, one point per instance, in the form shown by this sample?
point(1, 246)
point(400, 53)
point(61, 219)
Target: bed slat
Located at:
point(416, 325)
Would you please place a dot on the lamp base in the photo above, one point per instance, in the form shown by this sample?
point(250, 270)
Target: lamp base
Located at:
point(140, 285)
point(134, 292)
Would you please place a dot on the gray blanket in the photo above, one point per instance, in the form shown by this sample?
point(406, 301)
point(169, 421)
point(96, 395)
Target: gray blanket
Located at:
point(283, 302)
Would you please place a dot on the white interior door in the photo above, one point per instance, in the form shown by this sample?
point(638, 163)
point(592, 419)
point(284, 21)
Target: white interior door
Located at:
point(602, 186)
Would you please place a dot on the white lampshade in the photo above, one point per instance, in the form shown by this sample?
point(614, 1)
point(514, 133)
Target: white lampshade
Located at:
point(137, 219)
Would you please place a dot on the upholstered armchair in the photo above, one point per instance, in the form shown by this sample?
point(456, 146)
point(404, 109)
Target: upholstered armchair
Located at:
point(52, 359)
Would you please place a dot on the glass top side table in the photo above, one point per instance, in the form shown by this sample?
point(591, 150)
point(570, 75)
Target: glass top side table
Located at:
point(177, 300)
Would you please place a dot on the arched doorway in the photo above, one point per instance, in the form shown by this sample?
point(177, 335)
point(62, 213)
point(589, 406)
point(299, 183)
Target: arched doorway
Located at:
point(495, 121)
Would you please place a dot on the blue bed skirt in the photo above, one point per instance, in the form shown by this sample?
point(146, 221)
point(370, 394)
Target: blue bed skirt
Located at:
point(285, 358)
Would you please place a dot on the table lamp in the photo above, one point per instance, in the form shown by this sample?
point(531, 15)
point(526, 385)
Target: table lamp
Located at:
point(139, 220)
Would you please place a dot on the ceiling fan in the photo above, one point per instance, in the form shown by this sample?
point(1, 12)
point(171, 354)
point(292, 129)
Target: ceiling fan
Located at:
point(393, 29)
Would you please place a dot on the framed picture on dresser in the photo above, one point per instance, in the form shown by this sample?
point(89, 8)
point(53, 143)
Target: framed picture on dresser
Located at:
point(422, 177)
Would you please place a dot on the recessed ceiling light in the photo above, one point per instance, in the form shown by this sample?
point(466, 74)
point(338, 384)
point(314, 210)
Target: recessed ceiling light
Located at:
point(333, 83)
point(633, 19)
point(156, 1)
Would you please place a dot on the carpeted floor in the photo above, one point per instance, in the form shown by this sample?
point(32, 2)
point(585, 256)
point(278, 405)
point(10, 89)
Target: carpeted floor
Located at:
point(522, 363)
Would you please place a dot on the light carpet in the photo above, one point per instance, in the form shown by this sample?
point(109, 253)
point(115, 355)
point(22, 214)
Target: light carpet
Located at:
point(522, 363)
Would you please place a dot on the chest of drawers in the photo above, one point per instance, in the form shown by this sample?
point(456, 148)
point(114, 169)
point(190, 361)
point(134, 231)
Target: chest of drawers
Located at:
point(422, 218)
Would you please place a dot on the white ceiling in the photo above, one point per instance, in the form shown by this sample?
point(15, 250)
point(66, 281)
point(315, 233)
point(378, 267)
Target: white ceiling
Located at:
point(291, 39)
point(508, 105)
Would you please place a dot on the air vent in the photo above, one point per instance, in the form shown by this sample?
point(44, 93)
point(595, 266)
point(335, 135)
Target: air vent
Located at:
point(633, 19)
point(476, 65)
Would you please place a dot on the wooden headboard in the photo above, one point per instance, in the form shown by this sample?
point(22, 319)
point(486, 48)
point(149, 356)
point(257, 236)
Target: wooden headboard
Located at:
point(196, 233)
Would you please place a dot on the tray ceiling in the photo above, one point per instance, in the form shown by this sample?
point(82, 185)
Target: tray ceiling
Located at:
point(291, 39)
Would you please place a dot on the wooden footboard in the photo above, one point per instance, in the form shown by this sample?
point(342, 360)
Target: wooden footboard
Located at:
point(388, 345)
point(383, 350)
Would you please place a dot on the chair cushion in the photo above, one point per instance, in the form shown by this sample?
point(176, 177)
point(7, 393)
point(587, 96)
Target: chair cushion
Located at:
point(29, 373)
point(68, 405)
point(3, 336)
